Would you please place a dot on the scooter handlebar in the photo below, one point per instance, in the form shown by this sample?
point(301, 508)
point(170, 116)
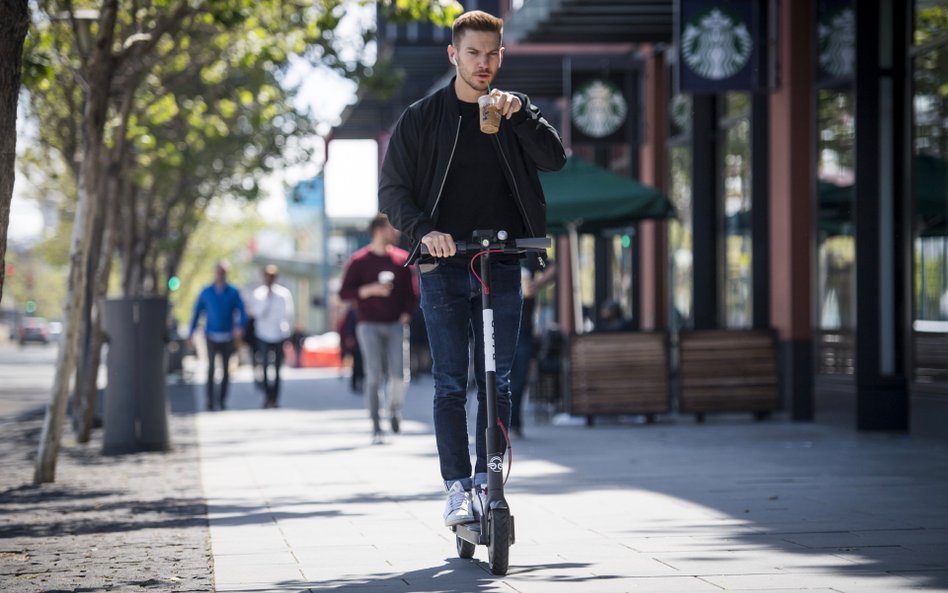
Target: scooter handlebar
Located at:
point(512, 247)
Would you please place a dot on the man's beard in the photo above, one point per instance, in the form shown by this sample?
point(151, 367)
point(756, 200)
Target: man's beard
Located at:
point(475, 83)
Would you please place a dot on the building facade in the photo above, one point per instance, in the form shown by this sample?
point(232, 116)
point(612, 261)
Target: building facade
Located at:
point(807, 165)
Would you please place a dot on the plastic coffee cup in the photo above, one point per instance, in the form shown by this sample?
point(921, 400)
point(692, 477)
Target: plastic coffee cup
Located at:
point(490, 117)
point(386, 277)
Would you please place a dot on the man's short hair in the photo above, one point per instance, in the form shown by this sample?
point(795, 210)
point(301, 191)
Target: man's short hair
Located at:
point(379, 222)
point(476, 20)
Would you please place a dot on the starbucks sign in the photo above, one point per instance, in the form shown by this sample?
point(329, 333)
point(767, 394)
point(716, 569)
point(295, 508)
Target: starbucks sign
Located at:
point(598, 108)
point(717, 45)
point(837, 40)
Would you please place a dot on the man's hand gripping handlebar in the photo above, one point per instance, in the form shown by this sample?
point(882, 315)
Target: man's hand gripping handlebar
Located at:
point(495, 243)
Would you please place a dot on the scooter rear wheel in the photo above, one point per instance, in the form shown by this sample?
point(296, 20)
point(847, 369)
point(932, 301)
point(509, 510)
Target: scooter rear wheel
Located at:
point(498, 547)
point(465, 548)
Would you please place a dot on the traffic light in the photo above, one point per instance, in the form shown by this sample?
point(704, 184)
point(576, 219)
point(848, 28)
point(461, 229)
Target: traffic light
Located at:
point(174, 283)
point(30, 307)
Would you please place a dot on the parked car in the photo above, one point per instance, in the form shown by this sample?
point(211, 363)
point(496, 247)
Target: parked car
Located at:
point(33, 329)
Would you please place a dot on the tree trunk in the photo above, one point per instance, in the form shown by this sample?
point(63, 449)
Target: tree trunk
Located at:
point(116, 186)
point(87, 371)
point(79, 261)
point(14, 23)
point(100, 73)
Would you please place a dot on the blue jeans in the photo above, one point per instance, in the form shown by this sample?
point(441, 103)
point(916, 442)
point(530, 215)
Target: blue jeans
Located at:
point(520, 373)
point(225, 349)
point(270, 388)
point(451, 301)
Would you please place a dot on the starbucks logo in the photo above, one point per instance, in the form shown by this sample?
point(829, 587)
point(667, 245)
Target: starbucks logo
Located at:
point(715, 45)
point(681, 112)
point(598, 108)
point(838, 43)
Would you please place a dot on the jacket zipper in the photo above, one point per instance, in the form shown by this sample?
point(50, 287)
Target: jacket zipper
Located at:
point(523, 210)
point(457, 134)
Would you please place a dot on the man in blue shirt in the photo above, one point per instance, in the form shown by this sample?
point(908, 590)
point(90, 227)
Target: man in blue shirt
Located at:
point(225, 319)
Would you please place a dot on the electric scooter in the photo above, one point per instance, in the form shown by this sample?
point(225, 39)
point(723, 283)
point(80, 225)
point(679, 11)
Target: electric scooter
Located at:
point(493, 524)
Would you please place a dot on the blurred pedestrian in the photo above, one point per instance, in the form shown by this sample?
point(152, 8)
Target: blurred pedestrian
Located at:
point(349, 348)
point(297, 339)
point(611, 318)
point(224, 313)
point(273, 313)
point(532, 279)
point(385, 294)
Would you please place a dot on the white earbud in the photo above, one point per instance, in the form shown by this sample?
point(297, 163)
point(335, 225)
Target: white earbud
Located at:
point(454, 60)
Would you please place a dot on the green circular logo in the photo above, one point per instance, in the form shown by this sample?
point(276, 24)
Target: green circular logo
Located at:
point(716, 45)
point(598, 108)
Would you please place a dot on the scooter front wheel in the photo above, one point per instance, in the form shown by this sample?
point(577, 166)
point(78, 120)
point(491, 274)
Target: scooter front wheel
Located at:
point(498, 547)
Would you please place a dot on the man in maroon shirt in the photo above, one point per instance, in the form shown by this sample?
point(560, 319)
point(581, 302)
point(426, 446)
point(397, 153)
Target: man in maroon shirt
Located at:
point(385, 293)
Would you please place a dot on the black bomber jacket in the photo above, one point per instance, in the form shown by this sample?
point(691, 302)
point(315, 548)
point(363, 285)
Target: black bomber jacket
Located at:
point(421, 150)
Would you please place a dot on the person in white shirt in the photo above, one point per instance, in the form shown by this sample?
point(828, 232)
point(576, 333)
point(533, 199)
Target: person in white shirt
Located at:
point(272, 306)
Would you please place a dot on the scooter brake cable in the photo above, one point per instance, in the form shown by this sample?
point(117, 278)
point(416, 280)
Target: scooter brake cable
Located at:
point(478, 276)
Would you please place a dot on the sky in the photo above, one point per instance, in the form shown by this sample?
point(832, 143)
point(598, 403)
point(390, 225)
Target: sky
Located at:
point(351, 172)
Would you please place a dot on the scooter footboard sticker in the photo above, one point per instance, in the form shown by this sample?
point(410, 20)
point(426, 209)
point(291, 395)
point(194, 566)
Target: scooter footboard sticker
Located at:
point(496, 464)
point(489, 364)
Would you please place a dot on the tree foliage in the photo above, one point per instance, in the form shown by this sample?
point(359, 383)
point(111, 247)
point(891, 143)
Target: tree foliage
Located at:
point(207, 113)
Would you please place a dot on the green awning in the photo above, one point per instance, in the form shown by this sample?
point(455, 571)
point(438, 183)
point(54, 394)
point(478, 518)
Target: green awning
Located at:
point(595, 198)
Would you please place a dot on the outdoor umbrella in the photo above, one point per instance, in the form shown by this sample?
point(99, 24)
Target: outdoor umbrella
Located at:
point(585, 197)
point(594, 198)
point(836, 202)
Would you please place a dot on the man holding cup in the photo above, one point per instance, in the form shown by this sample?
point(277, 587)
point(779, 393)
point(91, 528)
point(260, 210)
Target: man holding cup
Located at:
point(385, 295)
point(463, 159)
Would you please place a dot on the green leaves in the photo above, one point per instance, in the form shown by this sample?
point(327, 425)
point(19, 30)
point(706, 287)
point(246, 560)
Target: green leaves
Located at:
point(198, 108)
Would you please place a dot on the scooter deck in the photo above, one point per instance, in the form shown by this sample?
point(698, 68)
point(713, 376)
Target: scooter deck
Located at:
point(471, 532)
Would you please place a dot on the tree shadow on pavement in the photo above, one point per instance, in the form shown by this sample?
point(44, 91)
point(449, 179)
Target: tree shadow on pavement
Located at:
point(97, 517)
point(453, 576)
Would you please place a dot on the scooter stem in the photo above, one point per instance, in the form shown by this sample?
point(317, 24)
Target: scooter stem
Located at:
point(494, 435)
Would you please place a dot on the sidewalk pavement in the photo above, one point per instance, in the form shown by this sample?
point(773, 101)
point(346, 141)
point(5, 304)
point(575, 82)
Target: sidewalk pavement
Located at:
point(298, 500)
point(127, 523)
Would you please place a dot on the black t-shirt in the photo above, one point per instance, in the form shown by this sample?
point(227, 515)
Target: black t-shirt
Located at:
point(476, 194)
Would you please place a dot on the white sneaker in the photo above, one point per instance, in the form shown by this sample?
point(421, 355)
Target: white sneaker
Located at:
point(457, 508)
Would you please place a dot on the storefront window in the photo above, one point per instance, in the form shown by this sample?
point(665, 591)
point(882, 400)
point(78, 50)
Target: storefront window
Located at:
point(931, 21)
point(587, 275)
point(736, 195)
point(621, 276)
point(680, 235)
point(836, 245)
point(930, 173)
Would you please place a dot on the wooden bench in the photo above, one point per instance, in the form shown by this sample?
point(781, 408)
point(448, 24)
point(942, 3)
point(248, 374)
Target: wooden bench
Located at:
point(836, 352)
point(618, 373)
point(728, 371)
point(931, 356)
